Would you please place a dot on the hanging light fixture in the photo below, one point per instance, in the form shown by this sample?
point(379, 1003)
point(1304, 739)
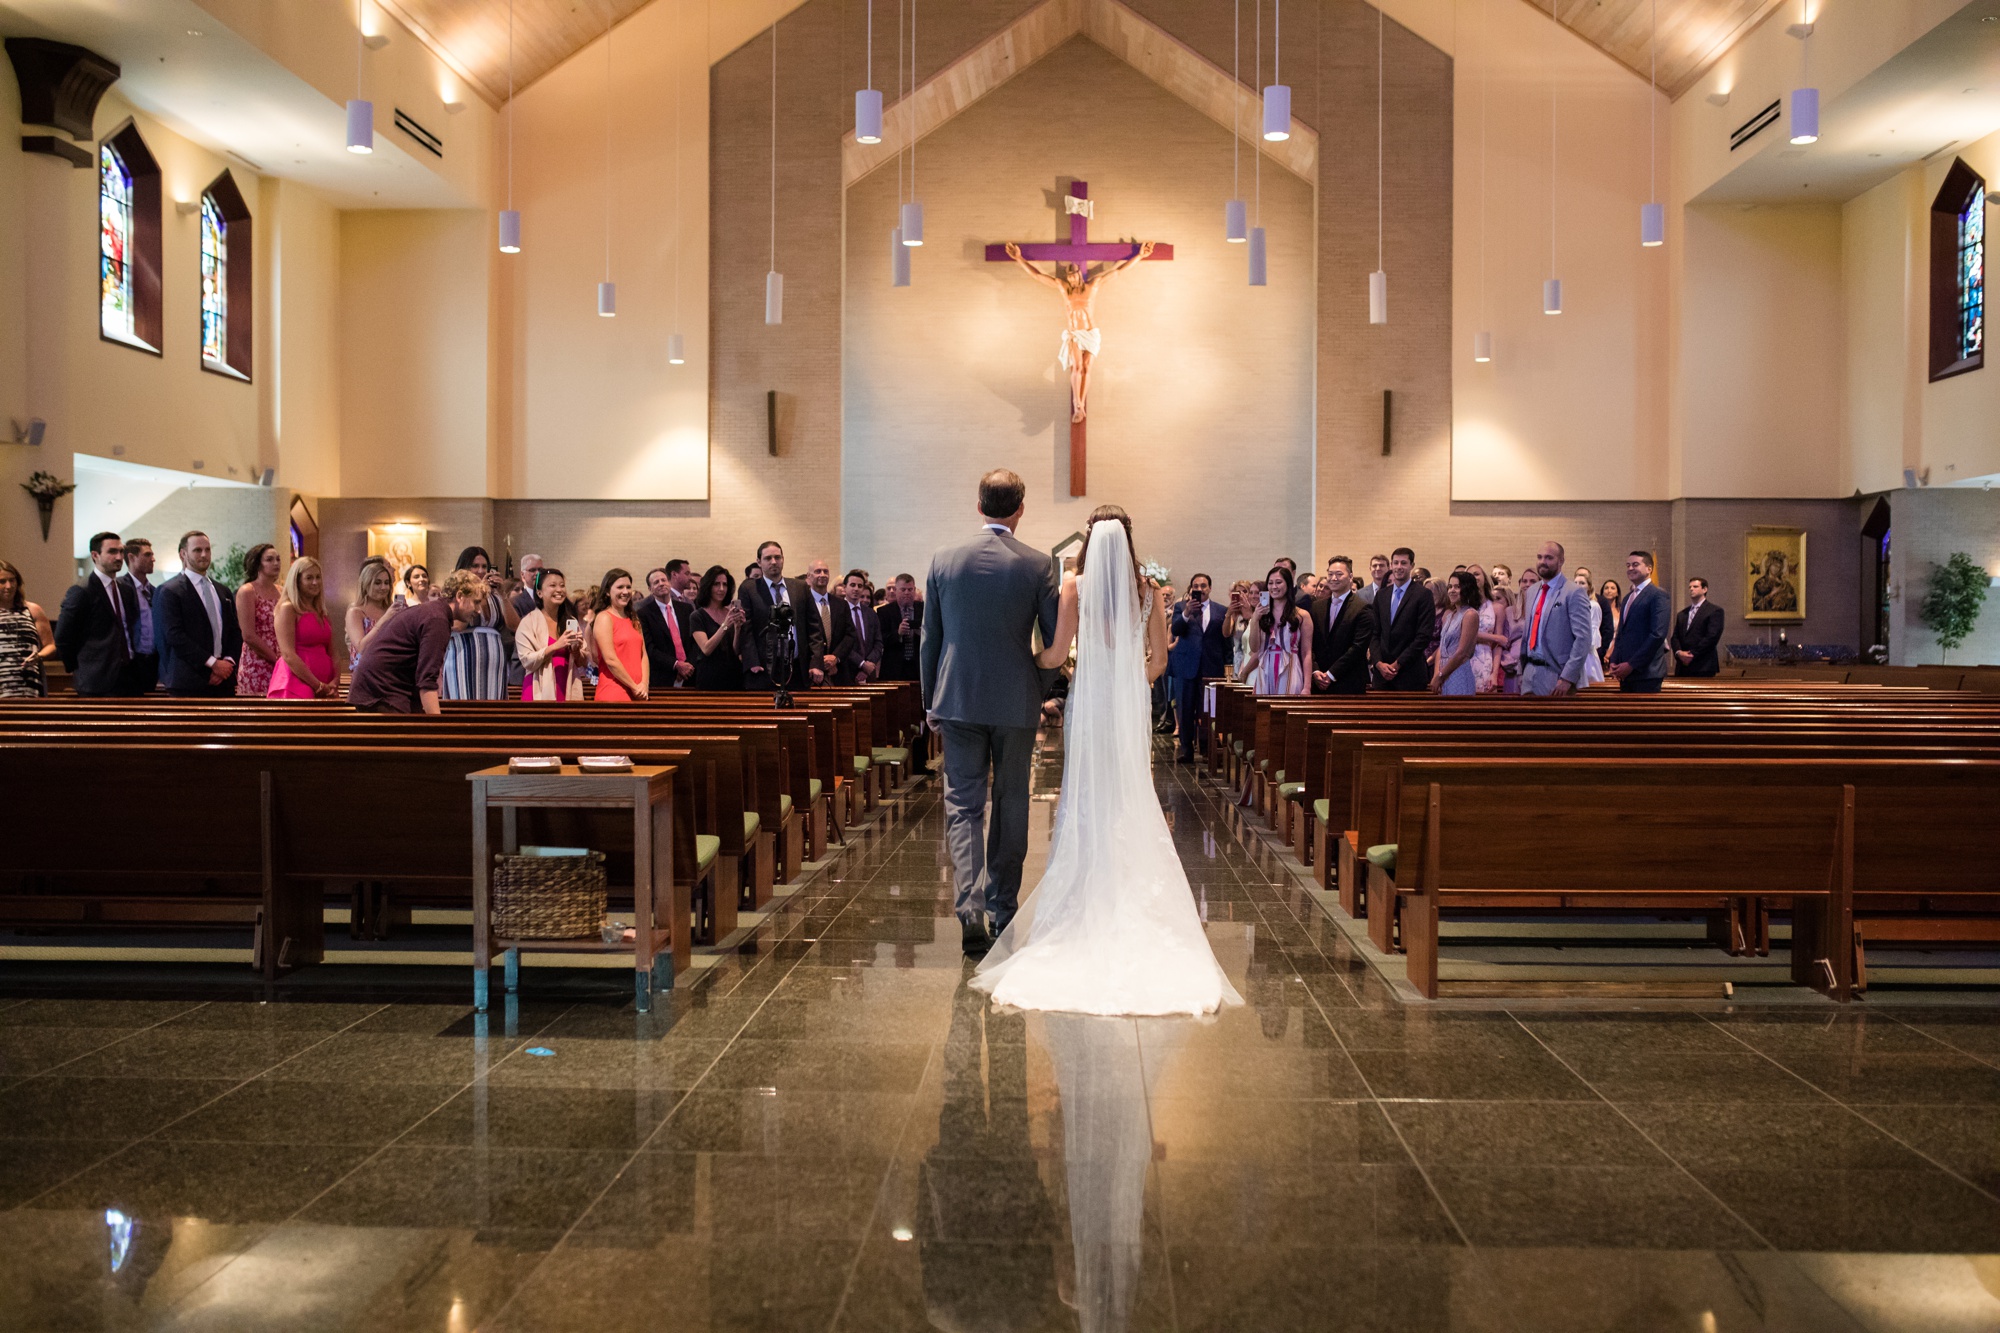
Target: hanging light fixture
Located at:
point(510, 220)
point(360, 111)
point(1277, 97)
point(1805, 98)
point(774, 281)
point(1378, 281)
point(899, 259)
point(1552, 288)
point(1482, 341)
point(607, 291)
point(676, 344)
point(868, 101)
point(676, 350)
point(913, 211)
point(1653, 215)
point(899, 254)
point(1259, 273)
point(1235, 217)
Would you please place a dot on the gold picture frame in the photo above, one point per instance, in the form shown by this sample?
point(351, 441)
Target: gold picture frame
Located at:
point(402, 545)
point(1774, 584)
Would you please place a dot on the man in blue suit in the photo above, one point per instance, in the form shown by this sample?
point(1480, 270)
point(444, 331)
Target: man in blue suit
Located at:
point(1199, 652)
point(1638, 657)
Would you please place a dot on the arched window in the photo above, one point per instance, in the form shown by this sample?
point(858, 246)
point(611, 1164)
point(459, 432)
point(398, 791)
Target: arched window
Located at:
point(1958, 273)
point(128, 230)
point(225, 279)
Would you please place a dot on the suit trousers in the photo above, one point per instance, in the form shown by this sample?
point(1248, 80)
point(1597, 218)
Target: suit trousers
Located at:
point(1189, 698)
point(986, 864)
point(1640, 684)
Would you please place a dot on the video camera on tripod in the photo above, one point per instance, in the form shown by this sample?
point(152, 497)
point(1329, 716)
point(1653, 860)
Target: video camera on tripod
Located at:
point(780, 654)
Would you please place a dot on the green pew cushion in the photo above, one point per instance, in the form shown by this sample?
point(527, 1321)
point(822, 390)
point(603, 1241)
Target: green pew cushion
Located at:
point(1236, 746)
point(892, 754)
point(1322, 810)
point(812, 790)
point(706, 845)
point(753, 824)
point(1292, 791)
point(1279, 777)
point(784, 808)
point(1383, 854)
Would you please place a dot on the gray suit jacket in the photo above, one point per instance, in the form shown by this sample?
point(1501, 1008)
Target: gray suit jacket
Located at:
point(982, 601)
point(1563, 645)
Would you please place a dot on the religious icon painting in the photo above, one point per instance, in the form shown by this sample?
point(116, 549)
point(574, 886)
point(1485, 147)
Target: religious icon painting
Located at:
point(402, 545)
point(1775, 570)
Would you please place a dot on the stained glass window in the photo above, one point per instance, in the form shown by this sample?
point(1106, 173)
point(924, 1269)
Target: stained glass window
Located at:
point(1972, 276)
point(116, 309)
point(214, 283)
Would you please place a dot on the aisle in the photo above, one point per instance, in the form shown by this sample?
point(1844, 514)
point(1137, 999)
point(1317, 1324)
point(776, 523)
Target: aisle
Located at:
point(831, 1130)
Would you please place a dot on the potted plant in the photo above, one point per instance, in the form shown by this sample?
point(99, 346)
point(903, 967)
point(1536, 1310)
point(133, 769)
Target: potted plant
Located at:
point(47, 488)
point(1951, 608)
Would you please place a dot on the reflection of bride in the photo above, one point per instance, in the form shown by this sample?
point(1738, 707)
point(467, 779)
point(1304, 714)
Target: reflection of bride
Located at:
point(1112, 927)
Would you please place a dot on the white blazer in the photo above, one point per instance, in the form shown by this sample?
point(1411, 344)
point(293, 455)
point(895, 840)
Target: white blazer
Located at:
point(531, 645)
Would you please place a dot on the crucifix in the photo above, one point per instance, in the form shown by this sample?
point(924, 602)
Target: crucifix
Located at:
point(1081, 337)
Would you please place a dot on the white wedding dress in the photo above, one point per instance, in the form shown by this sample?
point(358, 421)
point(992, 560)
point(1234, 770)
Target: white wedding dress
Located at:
point(1112, 927)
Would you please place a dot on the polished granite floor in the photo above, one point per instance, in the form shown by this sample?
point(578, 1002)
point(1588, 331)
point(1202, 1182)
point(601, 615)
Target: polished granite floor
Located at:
point(830, 1130)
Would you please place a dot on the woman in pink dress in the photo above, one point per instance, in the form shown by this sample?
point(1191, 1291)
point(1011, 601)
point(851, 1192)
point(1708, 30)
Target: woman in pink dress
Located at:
point(256, 613)
point(305, 636)
point(621, 644)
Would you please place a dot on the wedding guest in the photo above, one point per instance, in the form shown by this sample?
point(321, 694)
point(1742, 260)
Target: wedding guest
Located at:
point(1343, 627)
point(860, 641)
point(1639, 653)
point(94, 627)
point(373, 586)
point(1281, 638)
point(417, 587)
point(402, 661)
point(549, 642)
point(145, 647)
point(531, 568)
point(1458, 640)
point(256, 615)
point(305, 636)
point(498, 612)
point(666, 618)
point(588, 601)
point(1236, 627)
point(621, 645)
point(1378, 574)
point(1491, 666)
point(902, 622)
point(718, 623)
point(200, 640)
point(1697, 632)
point(1405, 619)
point(1607, 613)
point(26, 641)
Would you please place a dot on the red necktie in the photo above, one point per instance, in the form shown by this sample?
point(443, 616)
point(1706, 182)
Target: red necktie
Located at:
point(674, 630)
point(1535, 626)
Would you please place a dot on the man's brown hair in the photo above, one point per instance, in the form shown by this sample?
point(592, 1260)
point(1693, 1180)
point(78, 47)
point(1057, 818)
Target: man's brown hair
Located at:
point(1002, 493)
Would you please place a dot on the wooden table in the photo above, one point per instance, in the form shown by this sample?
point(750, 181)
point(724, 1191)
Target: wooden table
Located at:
point(647, 791)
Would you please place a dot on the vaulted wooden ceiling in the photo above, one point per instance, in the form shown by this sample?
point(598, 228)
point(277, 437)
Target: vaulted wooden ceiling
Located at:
point(471, 35)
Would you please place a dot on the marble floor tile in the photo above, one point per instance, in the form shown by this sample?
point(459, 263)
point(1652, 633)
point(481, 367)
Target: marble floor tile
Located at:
point(58, 1107)
point(1646, 1207)
point(1478, 1135)
point(1965, 1139)
point(528, 1194)
point(216, 1182)
point(786, 1123)
point(1911, 1293)
point(1594, 1290)
point(512, 1115)
point(267, 1110)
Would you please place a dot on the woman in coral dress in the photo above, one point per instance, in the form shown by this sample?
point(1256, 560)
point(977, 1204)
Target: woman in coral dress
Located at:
point(621, 645)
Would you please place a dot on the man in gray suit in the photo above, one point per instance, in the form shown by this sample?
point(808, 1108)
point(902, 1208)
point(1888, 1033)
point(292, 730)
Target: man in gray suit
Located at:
point(1555, 635)
point(983, 692)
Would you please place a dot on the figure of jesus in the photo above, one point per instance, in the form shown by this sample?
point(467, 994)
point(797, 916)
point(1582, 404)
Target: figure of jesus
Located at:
point(1081, 338)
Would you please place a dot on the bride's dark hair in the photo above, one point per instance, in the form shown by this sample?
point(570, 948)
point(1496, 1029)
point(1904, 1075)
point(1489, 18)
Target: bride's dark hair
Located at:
point(1099, 515)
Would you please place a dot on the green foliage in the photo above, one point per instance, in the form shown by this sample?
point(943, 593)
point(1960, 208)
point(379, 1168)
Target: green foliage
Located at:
point(1951, 608)
point(227, 568)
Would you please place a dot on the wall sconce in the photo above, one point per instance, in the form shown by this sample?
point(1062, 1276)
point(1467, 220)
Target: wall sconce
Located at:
point(375, 41)
point(453, 108)
point(1717, 99)
point(186, 207)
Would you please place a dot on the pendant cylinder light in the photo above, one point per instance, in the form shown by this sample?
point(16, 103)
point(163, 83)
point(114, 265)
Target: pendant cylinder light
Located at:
point(1482, 347)
point(607, 299)
point(899, 259)
point(510, 217)
point(1258, 275)
point(868, 115)
point(510, 231)
point(774, 297)
point(1552, 296)
point(913, 223)
point(676, 350)
point(1652, 224)
point(360, 126)
point(1805, 115)
point(1277, 112)
point(1236, 216)
point(1378, 297)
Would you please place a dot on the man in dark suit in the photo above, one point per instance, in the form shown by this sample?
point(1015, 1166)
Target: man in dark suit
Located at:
point(760, 597)
point(96, 626)
point(857, 641)
point(902, 621)
point(1199, 652)
point(1343, 629)
point(1405, 619)
point(666, 619)
point(1638, 658)
point(1697, 633)
point(194, 621)
point(145, 647)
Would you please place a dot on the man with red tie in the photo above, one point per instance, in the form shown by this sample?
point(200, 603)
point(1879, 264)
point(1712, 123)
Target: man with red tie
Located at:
point(1555, 642)
point(667, 621)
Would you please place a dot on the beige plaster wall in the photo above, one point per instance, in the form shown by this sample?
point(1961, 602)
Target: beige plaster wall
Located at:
point(413, 352)
point(1885, 260)
point(300, 343)
point(1204, 386)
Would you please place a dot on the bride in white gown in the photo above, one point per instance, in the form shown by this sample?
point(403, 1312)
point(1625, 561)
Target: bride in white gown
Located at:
point(1112, 927)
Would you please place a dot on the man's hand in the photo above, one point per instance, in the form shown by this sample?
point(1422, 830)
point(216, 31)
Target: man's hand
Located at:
point(1620, 670)
point(832, 662)
point(221, 671)
point(757, 671)
point(685, 670)
point(1562, 688)
point(1388, 669)
point(906, 629)
point(817, 675)
point(1323, 679)
point(1685, 657)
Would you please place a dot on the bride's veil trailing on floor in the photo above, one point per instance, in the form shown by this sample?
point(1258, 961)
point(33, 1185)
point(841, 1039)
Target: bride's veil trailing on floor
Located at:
point(1112, 927)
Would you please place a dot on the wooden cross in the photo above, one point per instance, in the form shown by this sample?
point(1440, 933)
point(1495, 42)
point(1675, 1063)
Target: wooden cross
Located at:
point(1082, 252)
